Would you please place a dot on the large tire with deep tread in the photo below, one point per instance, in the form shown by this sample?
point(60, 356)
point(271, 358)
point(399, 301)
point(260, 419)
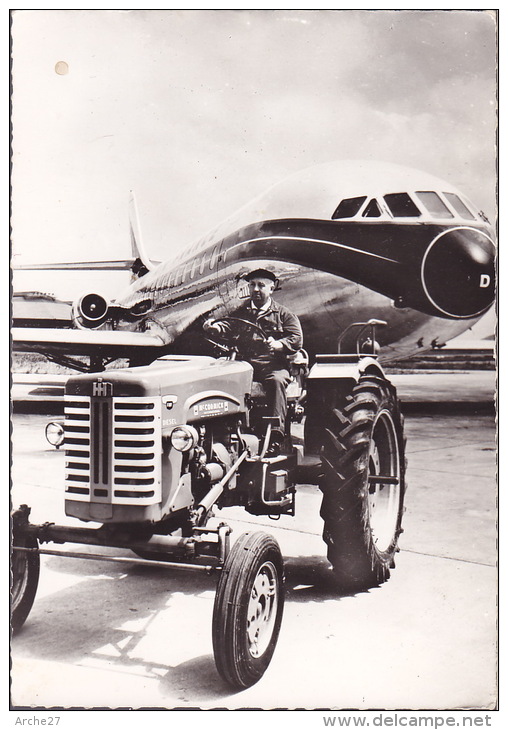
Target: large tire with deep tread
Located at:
point(25, 568)
point(248, 609)
point(363, 483)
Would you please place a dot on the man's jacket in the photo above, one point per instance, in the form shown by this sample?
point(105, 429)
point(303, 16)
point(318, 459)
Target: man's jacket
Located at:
point(279, 323)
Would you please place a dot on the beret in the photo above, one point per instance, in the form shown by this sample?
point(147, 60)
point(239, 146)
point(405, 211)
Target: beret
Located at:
point(261, 274)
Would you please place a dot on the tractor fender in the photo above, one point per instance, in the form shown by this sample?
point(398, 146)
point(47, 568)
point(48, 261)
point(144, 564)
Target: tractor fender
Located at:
point(344, 368)
point(331, 380)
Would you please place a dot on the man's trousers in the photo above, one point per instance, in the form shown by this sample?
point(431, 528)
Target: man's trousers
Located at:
point(275, 383)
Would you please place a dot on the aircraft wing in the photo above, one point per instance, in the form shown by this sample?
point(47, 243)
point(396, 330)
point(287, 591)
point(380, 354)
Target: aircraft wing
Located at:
point(120, 265)
point(105, 343)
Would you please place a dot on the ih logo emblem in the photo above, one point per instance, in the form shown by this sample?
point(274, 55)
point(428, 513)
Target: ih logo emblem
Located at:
point(102, 389)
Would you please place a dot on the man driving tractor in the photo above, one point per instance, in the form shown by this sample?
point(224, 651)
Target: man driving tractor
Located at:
point(283, 334)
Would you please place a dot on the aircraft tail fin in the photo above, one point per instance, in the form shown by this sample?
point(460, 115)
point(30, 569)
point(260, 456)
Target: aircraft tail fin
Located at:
point(141, 258)
point(139, 264)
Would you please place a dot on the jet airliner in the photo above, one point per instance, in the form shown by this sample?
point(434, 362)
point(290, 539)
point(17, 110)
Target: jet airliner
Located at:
point(348, 241)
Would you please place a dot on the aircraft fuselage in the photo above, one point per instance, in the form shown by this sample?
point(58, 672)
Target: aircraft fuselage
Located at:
point(425, 280)
point(348, 241)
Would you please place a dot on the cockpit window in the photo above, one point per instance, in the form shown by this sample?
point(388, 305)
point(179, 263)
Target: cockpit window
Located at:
point(349, 207)
point(459, 206)
point(401, 205)
point(372, 210)
point(434, 204)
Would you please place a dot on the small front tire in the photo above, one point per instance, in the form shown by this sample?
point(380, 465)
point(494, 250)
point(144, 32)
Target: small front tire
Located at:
point(248, 609)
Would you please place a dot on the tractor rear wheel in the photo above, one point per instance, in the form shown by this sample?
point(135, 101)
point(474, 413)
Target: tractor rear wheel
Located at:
point(363, 483)
point(248, 609)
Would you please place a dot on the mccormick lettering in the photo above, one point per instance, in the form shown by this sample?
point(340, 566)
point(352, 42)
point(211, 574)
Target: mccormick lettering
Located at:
point(211, 408)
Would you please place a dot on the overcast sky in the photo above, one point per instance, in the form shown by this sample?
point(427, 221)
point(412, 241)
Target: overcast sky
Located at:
point(199, 111)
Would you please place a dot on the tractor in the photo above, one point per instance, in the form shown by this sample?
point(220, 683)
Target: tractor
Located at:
point(151, 452)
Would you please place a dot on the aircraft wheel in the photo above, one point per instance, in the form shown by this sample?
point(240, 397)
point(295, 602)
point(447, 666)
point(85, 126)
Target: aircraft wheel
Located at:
point(363, 483)
point(248, 609)
point(25, 569)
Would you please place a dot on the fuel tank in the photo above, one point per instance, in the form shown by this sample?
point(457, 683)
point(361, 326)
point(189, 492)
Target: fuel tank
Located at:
point(190, 387)
point(119, 465)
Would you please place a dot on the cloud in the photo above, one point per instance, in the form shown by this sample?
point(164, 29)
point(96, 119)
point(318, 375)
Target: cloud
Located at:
point(410, 51)
point(199, 111)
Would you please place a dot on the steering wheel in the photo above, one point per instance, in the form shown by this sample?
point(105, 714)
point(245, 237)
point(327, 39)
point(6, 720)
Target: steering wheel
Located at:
point(239, 333)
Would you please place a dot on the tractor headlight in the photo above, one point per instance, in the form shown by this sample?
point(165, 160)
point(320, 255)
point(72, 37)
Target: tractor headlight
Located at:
point(55, 434)
point(184, 438)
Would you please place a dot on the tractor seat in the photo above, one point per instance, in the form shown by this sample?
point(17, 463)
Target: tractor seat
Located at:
point(257, 390)
point(299, 363)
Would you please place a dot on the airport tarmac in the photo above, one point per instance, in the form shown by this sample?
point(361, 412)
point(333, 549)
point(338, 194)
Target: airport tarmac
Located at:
point(121, 635)
point(429, 386)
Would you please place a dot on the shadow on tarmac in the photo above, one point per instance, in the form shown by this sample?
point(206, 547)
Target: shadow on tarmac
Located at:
point(105, 618)
point(152, 626)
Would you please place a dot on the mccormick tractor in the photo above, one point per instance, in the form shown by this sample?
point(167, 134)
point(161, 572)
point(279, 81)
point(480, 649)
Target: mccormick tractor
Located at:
point(151, 450)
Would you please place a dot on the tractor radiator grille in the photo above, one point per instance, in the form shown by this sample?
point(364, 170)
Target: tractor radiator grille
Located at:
point(113, 449)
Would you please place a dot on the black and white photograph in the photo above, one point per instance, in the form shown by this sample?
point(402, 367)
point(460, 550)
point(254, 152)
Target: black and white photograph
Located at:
point(253, 309)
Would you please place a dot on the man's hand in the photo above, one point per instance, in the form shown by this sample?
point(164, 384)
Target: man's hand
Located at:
point(212, 326)
point(274, 345)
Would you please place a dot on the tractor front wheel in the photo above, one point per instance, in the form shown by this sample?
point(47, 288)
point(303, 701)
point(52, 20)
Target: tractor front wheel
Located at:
point(248, 609)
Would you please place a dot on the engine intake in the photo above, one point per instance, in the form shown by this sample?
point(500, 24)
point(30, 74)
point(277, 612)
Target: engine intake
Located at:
point(90, 311)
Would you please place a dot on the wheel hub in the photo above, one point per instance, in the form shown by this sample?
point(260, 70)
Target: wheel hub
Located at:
point(384, 482)
point(262, 609)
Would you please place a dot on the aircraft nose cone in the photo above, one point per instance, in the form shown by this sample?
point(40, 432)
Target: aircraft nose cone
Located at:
point(458, 272)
